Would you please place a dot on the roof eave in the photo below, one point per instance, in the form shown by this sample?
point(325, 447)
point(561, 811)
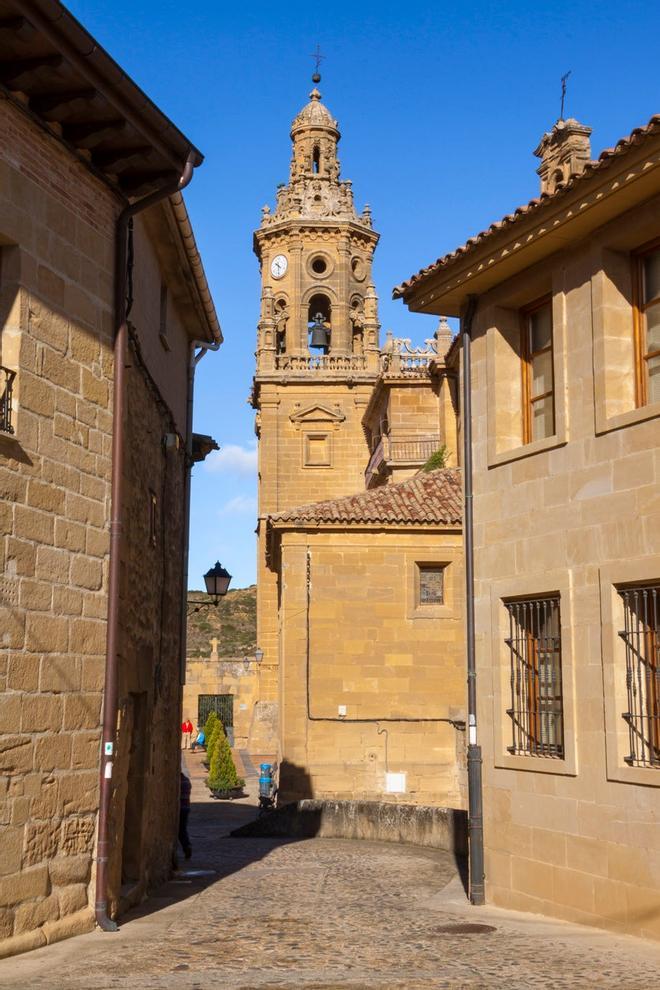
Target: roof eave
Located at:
point(556, 223)
point(205, 299)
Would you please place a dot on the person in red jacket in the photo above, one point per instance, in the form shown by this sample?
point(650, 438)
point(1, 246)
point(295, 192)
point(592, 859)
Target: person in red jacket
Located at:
point(186, 730)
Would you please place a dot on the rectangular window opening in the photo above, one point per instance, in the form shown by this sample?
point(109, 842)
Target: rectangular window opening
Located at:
point(536, 712)
point(646, 316)
point(537, 370)
point(431, 583)
point(641, 636)
point(316, 450)
point(6, 395)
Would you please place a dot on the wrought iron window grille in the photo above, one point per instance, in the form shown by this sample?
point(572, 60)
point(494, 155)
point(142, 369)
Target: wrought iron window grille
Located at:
point(641, 636)
point(537, 710)
point(6, 389)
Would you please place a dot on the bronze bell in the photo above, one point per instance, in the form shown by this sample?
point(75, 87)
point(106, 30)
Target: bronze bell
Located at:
point(320, 335)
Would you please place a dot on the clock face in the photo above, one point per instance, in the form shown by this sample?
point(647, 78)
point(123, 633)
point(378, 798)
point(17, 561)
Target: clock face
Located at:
point(278, 266)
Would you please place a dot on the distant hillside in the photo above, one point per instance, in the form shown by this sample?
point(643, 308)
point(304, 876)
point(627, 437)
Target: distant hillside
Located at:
point(233, 622)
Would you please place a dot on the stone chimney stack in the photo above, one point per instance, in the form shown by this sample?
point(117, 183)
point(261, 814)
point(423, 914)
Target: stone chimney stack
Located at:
point(564, 152)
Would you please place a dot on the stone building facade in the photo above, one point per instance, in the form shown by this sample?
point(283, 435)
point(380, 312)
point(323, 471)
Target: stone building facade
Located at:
point(566, 430)
point(80, 142)
point(356, 674)
point(411, 414)
point(210, 680)
point(372, 688)
point(315, 253)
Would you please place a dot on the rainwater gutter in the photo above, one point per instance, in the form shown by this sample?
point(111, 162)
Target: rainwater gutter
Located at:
point(110, 691)
point(475, 793)
point(192, 367)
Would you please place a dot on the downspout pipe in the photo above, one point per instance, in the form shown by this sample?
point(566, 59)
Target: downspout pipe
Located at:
point(198, 349)
point(110, 691)
point(475, 793)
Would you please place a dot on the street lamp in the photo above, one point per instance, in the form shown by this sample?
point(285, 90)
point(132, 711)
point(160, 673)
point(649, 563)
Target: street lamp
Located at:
point(217, 580)
point(258, 656)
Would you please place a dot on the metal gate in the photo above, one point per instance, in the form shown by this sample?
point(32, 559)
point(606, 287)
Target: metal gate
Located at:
point(222, 705)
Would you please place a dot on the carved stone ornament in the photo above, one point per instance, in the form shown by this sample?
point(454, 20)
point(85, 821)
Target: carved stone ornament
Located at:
point(315, 189)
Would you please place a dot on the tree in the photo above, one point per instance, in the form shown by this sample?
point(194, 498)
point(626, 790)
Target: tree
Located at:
point(222, 771)
point(211, 743)
point(208, 726)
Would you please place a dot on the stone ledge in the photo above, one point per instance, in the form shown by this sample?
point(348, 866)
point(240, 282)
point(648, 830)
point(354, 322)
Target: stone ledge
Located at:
point(419, 825)
point(52, 931)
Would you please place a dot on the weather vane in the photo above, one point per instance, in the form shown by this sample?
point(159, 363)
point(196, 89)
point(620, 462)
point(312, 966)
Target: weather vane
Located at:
point(564, 79)
point(318, 58)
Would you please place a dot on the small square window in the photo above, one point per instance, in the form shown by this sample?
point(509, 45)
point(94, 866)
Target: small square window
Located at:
point(316, 450)
point(431, 584)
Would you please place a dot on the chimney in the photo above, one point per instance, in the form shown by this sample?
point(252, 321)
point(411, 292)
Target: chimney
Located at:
point(564, 152)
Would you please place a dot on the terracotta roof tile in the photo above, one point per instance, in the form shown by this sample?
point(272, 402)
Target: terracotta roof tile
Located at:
point(636, 137)
point(432, 498)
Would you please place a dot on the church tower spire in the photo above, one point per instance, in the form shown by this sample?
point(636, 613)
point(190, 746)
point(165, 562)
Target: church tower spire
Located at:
point(317, 351)
point(316, 252)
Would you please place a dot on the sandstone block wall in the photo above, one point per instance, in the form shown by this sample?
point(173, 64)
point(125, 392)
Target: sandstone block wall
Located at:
point(57, 242)
point(579, 515)
point(213, 676)
point(366, 644)
point(56, 231)
point(288, 415)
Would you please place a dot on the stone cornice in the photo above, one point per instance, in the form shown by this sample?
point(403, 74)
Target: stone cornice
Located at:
point(290, 228)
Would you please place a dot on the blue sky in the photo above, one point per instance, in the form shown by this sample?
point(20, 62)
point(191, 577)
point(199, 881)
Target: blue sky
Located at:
point(440, 107)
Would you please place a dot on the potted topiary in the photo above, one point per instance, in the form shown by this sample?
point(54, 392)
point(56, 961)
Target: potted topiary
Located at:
point(208, 725)
point(212, 741)
point(223, 781)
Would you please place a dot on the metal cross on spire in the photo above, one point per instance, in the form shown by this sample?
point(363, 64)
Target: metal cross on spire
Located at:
point(318, 58)
point(564, 79)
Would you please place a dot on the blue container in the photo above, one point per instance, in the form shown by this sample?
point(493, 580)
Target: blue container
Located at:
point(265, 780)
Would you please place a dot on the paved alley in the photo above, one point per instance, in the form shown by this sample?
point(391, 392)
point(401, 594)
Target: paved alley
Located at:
point(322, 914)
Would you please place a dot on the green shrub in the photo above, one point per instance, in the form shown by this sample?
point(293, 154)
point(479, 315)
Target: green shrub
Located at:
point(222, 772)
point(208, 726)
point(437, 460)
point(212, 741)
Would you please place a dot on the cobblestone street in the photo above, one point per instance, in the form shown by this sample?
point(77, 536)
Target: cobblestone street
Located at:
point(324, 913)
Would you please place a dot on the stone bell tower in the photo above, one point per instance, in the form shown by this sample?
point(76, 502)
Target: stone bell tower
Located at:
point(317, 347)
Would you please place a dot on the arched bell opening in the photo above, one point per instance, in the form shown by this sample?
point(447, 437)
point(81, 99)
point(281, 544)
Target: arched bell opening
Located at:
point(319, 322)
point(316, 160)
point(281, 319)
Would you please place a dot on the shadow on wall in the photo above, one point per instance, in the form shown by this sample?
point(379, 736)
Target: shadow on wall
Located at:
point(294, 783)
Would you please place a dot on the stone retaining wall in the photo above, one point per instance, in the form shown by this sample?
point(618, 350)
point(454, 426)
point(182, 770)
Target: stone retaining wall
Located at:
point(437, 828)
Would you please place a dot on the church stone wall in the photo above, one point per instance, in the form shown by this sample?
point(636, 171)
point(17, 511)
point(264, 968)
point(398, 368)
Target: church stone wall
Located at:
point(394, 665)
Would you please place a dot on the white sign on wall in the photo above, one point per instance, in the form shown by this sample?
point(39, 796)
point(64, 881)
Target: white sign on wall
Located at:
point(395, 783)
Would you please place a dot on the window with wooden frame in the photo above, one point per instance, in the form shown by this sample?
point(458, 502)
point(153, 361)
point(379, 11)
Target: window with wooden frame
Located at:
point(430, 584)
point(646, 318)
point(537, 707)
point(538, 385)
point(641, 635)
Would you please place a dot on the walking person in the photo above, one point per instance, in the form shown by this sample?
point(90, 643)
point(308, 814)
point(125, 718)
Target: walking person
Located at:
point(184, 813)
